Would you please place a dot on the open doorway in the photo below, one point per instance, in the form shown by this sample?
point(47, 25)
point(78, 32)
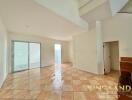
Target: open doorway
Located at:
point(111, 56)
point(57, 49)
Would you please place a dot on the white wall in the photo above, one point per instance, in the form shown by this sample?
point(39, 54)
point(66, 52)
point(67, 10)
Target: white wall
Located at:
point(84, 48)
point(119, 28)
point(71, 51)
point(87, 48)
point(66, 53)
point(3, 53)
point(47, 48)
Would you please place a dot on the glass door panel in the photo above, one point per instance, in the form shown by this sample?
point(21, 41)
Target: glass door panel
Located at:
point(34, 52)
point(57, 54)
point(20, 56)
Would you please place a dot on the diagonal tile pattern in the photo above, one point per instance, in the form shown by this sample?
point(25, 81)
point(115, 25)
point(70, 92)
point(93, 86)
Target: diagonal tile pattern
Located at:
point(59, 83)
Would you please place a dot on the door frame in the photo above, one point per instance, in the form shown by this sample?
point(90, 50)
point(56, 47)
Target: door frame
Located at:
point(103, 51)
point(12, 55)
point(104, 57)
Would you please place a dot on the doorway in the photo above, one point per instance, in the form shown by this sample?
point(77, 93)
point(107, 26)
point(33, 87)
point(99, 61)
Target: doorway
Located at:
point(111, 56)
point(57, 50)
point(25, 55)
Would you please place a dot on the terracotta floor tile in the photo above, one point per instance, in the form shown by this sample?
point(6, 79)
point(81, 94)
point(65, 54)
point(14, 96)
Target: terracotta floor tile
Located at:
point(50, 95)
point(57, 83)
point(67, 96)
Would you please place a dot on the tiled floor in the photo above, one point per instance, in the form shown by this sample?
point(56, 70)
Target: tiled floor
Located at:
point(59, 83)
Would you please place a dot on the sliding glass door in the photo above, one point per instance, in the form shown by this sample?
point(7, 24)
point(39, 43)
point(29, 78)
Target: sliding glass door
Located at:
point(20, 56)
point(26, 55)
point(34, 55)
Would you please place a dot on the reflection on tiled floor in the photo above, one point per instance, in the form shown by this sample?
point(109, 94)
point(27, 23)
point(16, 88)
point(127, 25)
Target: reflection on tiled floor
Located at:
point(59, 83)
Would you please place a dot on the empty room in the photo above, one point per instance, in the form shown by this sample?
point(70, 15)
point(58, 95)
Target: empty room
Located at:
point(65, 50)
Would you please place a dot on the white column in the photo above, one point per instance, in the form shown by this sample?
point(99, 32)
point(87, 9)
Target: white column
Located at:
point(99, 39)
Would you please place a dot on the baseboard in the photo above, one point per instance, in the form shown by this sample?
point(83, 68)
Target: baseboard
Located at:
point(115, 70)
point(47, 66)
point(2, 82)
point(67, 63)
point(85, 70)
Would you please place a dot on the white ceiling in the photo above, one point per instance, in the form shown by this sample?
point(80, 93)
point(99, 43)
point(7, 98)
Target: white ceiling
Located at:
point(83, 2)
point(127, 8)
point(99, 13)
point(28, 17)
point(101, 9)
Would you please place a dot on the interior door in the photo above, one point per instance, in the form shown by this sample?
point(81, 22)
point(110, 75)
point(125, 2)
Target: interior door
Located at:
point(107, 57)
point(34, 53)
point(20, 53)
